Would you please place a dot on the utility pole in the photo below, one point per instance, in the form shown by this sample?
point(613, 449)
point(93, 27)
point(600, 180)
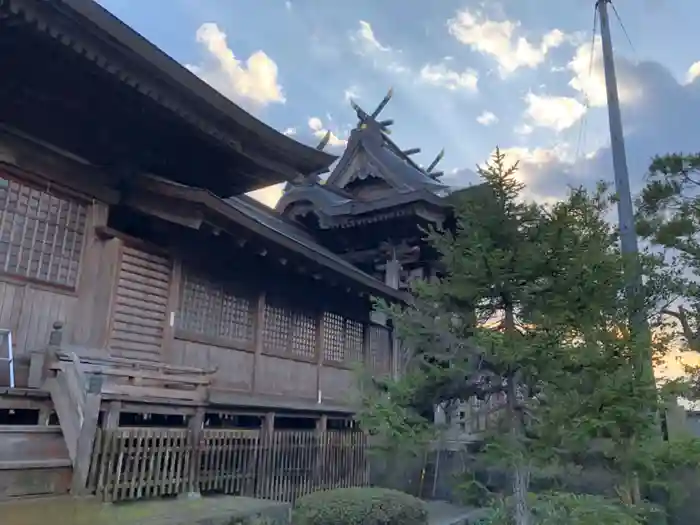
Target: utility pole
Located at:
point(628, 235)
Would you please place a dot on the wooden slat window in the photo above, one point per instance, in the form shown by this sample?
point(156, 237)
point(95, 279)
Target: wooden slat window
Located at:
point(304, 327)
point(214, 309)
point(278, 322)
point(41, 234)
point(379, 349)
point(287, 331)
point(342, 338)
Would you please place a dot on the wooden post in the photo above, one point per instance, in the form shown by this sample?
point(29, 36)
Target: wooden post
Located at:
point(319, 357)
point(196, 426)
point(111, 420)
point(263, 474)
point(39, 359)
point(173, 302)
point(259, 332)
point(321, 441)
point(86, 439)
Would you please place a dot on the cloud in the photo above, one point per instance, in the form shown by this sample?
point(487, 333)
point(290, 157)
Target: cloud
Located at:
point(390, 61)
point(442, 76)
point(289, 132)
point(693, 72)
point(319, 131)
point(268, 196)
point(658, 119)
point(487, 118)
point(499, 40)
point(589, 76)
point(253, 84)
point(365, 36)
point(523, 129)
point(557, 113)
point(351, 93)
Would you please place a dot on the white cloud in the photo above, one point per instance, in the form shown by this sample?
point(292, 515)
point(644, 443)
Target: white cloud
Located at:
point(382, 56)
point(366, 37)
point(389, 60)
point(530, 162)
point(557, 113)
point(498, 39)
point(589, 76)
point(316, 125)
point(288, 5)
point(253, 83)
point(268, 196)
point(693, 72)
point(487, 118)
point(290, 131)
point(523, 129)
point(442, 76)
point(352, 93)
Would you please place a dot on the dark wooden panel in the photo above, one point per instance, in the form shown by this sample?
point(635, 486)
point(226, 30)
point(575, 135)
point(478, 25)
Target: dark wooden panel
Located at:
point(140, 308)
point(33, 462)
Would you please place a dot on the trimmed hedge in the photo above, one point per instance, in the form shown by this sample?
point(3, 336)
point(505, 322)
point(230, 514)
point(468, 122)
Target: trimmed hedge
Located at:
point(359, 506)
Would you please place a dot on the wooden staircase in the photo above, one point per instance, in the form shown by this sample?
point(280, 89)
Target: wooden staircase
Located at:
point(79, 381)
point(77, 402)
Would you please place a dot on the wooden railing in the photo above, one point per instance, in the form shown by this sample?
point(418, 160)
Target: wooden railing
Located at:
point(135, 463)
point(77, 404)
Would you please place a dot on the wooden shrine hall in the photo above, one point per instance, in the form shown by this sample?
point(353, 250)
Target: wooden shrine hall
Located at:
point(150, 312)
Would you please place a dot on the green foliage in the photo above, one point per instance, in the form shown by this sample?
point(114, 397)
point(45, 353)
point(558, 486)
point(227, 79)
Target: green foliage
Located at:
point(531, 305)
point(359, 506)
point(669, 218)
point(574, 509)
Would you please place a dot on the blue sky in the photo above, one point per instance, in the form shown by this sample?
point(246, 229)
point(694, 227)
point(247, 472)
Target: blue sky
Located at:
point(467, 75)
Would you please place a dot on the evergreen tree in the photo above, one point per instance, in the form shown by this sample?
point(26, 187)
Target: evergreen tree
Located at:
point(529, 309)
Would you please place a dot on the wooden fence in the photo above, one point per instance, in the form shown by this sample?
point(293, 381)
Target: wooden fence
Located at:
point(135, 463)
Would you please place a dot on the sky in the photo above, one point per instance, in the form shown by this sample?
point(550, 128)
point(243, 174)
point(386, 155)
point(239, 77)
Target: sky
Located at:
point(467, 76)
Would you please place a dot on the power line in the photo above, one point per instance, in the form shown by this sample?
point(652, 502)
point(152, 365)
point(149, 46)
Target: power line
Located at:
point(586, 99)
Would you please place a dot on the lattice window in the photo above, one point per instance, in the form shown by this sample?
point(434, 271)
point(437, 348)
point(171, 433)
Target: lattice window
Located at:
point(304, 334)
point(213, 309)
point(278, 323)
point(333, 337)
point(41, 235)
point(379, 350)
point(354, 338)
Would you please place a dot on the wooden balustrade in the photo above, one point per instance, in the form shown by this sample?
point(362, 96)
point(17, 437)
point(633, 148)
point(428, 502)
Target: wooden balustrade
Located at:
point(135, 463)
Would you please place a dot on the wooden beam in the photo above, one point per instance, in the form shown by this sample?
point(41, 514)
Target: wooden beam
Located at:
point(182, 213)
point(259, 327)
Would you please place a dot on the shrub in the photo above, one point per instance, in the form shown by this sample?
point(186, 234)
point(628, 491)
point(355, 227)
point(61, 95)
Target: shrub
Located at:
point(359, 506)
point(577, 509)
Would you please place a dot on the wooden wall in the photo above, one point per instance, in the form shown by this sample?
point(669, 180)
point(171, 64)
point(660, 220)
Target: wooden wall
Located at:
point(29, 311)
point(279, 362)
point(133, 295)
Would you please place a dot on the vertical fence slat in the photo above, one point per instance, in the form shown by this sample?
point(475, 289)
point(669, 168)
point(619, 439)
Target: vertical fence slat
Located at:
point(136, 463)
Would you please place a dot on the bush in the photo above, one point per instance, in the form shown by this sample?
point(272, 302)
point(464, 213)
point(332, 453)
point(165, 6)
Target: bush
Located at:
point(577, 509)
point(359, 506)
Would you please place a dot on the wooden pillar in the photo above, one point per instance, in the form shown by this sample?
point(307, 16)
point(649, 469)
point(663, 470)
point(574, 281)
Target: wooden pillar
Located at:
point(263, 478)
point(173, 306)
point(86, 439)
point(111, 420)
point(259, 328)
point(321, 438)
point(196, 426)
point(39, 360)
point(319, 357)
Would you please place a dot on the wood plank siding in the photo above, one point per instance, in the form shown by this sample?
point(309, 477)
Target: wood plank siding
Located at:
point(141, 287)
point(140, 308)
point(42, 236)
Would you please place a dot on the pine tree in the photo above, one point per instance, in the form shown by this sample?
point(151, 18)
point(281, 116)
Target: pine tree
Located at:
point(529, 309)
